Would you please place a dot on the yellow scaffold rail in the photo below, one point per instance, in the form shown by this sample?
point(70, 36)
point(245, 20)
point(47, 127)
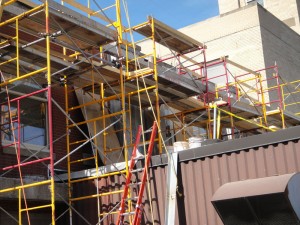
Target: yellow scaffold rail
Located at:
point(25, 186)
point(243, 119)
point(96, 195)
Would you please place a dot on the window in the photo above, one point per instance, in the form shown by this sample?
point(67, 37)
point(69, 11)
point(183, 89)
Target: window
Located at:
point(33, 120)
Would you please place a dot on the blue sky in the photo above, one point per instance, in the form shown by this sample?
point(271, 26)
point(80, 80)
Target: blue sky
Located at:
point(176, 13)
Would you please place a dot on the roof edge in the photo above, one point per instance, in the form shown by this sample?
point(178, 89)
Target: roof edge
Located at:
point(231, 146)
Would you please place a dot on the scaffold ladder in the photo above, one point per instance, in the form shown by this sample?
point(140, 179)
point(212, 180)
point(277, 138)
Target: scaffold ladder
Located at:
point(137, 213)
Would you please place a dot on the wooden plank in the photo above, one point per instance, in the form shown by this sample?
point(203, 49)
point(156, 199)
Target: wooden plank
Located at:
point(179, 36)
point(86, 10)
point(240, 66)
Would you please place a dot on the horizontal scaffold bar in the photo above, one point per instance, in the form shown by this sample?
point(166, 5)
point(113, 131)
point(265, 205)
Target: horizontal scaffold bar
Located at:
point(36, 208)
point(140, 57)
point(8, 61)
point(82, 160)
point(114, 97)
point(249, 121)
point(26, 163)
point(9, 2)
point(130, 145)
point(23, 76)
point(137, 26)
point(78, 142)
point(96, 195)
point(24, 14)
point(96, 119)
point(109, 213)
point(99, 176)
point(142, 90)
point(25, 186)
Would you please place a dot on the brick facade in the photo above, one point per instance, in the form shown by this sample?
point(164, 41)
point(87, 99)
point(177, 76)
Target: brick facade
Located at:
point(59, 129)
point(60, 149)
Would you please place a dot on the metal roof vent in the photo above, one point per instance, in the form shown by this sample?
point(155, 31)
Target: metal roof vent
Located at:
point(264, 201)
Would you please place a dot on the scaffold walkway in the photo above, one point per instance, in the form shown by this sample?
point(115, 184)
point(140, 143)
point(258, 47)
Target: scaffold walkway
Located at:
point(109, 87)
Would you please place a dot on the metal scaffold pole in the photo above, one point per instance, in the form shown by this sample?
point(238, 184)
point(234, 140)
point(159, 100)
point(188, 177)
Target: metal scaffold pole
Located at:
point(110, 85)
point(16, 122)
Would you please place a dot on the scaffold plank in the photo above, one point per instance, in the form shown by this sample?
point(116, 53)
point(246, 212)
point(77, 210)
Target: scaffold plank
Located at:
point(169, 37)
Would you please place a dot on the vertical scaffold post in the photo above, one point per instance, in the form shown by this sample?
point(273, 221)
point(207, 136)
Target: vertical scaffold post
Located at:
point(151, 21)
point(215, 122)
point(280, 95)
point(68, 152)
point(50, 112)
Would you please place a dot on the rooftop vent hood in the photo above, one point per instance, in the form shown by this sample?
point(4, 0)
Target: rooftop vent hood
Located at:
point(264, 201)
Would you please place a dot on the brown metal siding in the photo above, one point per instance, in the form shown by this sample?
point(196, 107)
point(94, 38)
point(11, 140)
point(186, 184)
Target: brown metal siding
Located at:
point(203, 177)
point(199, 179)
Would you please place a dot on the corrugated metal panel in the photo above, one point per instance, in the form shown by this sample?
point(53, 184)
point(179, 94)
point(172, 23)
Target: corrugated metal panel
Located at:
point(198, 180)
point(202, 178)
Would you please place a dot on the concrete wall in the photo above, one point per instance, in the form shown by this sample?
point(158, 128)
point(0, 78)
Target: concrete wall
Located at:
point(257, 39)
point(281, 45)
point(9, 214)
point(35, 196)
point(228, 5)
point(287, 11)
point(238, 39)
point(36, 193)
point(252, 37)
point(226, 35)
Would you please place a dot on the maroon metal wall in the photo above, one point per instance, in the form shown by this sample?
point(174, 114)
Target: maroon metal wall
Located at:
point(203, 177)
point(199, 178)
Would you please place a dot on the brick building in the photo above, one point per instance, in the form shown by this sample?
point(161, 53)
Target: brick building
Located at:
point(254, 34)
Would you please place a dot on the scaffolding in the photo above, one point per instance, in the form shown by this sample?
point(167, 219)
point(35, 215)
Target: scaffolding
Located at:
point(13, 108)
point(110, 87)
point(259, 92)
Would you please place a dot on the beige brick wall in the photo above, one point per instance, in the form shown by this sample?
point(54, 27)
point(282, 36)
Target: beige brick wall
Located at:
point(236, 34)
point(251, 37)
point(287, 11)
point(228, 5)
point(281, 45)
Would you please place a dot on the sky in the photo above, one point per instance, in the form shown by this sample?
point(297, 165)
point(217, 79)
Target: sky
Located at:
point(175, 13)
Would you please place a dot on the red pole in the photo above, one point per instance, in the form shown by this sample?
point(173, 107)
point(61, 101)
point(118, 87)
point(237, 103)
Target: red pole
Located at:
point(19, 133)
point(27, 95)
point(128, 179)
point(138, 210)
point(26, 163)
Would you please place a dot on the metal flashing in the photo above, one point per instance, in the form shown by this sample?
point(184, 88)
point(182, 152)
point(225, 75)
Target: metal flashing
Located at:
point(215, 147)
